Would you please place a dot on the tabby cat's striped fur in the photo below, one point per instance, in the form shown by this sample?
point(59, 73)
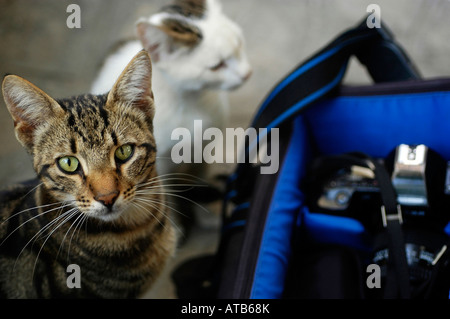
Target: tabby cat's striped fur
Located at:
point(98, 202)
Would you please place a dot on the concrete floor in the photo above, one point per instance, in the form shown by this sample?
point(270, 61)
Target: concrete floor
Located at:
point(35, 43)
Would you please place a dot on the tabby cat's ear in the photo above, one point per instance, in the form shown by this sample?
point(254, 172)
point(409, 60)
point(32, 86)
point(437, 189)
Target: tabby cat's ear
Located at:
point(29, 106)
point(133, 88)
point(164, 33)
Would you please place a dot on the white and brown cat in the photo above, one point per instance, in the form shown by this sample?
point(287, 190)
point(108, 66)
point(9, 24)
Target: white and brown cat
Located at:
point(198, 54)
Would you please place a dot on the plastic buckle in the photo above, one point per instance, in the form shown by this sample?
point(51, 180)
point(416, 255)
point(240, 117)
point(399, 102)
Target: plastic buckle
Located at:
point(390, 217)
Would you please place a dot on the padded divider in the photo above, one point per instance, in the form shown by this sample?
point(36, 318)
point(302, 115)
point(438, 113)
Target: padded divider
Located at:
point(377, 124)
point(322, 228)
point(287, 200)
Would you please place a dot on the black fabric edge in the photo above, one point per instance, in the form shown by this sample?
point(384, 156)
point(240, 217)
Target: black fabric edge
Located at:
point(256, 221)
point(394, 88)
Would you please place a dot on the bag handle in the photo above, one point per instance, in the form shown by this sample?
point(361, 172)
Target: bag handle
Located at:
point(316, 78)
point(375, 48)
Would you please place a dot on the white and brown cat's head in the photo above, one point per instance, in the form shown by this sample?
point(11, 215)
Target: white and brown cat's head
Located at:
point(196, 45)
point(91, 150)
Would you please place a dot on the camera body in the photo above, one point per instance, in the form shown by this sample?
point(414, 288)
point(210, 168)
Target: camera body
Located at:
point(421, 180)
point(420, 177)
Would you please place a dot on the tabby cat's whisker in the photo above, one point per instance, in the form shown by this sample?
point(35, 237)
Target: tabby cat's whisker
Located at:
point(161, 202)
point(34, 217)
point(174, 175)
point(28, 209)
point(32, 190)
point(162, 188)
point(43, 229)
point(58, 213)
point(175, 195)
point(160, 211)
point(166, 179)
point(173, 182)
point(41, 233)
point(164, 183)
point(66, 217)
point(83, 219)
point(152, 204)
point(139, 206)
point(58, 222)
point(67, 232)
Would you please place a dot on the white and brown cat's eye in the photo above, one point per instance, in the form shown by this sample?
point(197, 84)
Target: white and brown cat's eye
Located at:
point(218, 66)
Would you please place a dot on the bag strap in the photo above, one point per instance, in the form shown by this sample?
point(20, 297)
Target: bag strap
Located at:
point(397, 282)
point(375, 48)
point(316, 78)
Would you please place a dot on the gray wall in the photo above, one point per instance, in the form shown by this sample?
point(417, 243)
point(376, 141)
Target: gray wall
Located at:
point(36, 44)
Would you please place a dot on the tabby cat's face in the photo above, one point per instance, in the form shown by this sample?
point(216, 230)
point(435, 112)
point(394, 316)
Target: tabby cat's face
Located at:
point(93, 152)
point(95, 156)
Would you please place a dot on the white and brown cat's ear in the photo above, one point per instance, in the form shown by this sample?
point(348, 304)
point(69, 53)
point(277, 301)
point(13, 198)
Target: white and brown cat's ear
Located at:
point(164, 33)
point(133, 88)
point(29, 106)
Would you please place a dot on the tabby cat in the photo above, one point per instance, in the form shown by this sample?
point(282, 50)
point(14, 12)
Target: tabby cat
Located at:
point(97, 203)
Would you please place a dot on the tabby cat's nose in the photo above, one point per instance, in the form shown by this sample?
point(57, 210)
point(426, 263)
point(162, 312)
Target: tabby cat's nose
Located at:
point(107, 199)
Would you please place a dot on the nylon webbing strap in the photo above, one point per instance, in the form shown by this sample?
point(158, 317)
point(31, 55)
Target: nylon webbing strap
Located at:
point(316, 78)
point(397, 282)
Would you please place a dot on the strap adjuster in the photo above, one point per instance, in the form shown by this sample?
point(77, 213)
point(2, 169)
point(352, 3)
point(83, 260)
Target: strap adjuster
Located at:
point(390, 217)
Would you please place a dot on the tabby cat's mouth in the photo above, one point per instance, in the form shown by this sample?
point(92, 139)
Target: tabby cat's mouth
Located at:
point(106, 214)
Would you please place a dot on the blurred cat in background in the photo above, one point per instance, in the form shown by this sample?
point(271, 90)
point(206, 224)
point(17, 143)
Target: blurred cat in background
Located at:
point(198, 54)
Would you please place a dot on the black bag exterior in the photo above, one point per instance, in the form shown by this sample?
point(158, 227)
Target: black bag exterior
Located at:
point(230, 272)
point(325, 272)
point(377, 50)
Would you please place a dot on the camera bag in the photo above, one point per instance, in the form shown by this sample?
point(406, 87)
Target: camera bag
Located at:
point(265, 215)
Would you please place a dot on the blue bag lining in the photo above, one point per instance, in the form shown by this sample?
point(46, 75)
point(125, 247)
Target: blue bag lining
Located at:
point(371, 124)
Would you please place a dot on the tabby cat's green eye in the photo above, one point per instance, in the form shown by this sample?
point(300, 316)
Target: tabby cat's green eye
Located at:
point(124, 152)
point(68, 164)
